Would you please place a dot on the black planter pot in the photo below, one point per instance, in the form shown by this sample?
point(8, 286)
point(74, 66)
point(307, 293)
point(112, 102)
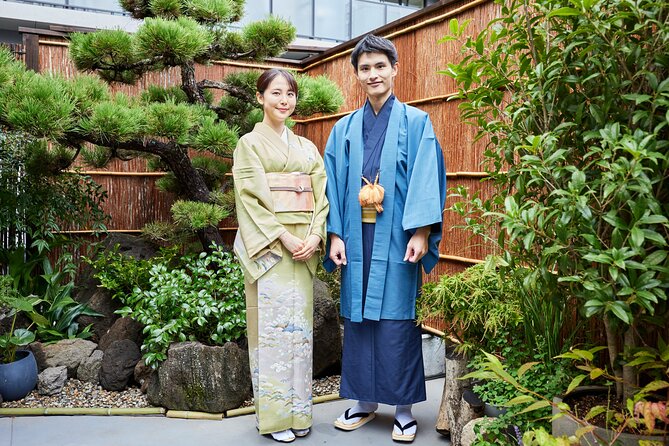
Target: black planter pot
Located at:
point(18, 378)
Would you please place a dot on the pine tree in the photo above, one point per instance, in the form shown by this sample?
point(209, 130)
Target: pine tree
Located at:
point(81, 118)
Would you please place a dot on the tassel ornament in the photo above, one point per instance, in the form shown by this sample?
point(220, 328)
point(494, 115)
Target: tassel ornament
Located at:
point(372, 194)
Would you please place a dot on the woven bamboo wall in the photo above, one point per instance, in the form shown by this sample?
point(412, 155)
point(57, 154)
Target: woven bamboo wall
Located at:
point(418, 83)
point(134, 201)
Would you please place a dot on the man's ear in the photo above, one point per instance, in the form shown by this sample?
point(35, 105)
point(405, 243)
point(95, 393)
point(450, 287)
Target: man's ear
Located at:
point(395, 68)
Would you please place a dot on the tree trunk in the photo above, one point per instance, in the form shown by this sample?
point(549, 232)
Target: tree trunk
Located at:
point(612, 344)
point(630, 378)
point(189, 84)
point(194, 187)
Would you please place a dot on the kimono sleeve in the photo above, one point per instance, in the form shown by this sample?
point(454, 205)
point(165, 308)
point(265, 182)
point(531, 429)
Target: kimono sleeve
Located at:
point(426, 193)
point(321, 206)
point(258, 225)
point(335, 195)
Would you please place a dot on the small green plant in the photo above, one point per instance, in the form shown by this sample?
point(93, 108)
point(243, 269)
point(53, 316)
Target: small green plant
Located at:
point(12, 303)
point(477, 304)
point(200, 298)
point(58, 311)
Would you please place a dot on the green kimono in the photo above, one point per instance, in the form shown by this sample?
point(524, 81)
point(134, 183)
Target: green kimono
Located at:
point(279, 290)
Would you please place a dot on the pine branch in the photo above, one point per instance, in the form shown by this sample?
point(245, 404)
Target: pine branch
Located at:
point(236, 92)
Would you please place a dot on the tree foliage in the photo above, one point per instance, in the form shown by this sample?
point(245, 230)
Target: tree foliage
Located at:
point(574, 99)
point(81, 118)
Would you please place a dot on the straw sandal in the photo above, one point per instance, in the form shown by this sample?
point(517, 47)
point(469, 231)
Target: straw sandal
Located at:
point(365, 417)
point(405, 438)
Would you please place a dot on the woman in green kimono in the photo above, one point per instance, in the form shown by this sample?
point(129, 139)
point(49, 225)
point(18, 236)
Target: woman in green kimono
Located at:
point(281, 209)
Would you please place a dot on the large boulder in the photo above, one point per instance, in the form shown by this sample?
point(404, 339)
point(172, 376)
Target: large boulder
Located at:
point(118, 364)
point(327, 335)
point(101, 302)
point(89, 369)
point(123, 328)
point(201, 378)
point(68, 352)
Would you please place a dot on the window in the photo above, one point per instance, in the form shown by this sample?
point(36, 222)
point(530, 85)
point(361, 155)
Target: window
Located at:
point(298, 12)
point(332, 19)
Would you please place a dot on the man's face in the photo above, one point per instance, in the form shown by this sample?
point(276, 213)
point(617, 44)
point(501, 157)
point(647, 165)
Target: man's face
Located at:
point(376, 75)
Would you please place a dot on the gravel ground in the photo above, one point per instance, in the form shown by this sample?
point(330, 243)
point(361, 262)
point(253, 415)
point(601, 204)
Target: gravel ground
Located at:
point(82, 394)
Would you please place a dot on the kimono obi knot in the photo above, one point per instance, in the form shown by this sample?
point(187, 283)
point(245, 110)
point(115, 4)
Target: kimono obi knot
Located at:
point(291, 192)
point(369, 214)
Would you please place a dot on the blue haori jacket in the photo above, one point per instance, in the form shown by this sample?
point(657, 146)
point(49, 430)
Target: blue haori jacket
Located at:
point(414, 177)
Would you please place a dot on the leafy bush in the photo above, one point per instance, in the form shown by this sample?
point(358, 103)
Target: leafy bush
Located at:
point(191, 298)
point(478, 305)
point(573, 98)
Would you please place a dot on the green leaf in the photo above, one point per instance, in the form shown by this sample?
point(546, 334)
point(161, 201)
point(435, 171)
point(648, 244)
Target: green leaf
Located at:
point(575, 383)
point(522, 399)
point(564, 12)
point(536, 406)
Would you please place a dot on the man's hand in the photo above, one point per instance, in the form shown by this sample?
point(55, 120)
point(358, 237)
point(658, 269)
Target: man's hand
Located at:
point(292, 243)
point(337, 250)
point(308, 249)
point(417, 246)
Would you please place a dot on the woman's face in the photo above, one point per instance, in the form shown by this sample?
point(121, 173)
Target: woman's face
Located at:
point(278, 101)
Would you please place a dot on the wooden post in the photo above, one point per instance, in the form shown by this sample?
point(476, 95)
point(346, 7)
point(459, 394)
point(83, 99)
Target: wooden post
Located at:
point(454, 412)
point(31, 45)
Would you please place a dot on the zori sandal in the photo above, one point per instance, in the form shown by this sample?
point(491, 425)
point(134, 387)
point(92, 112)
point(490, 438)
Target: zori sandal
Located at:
point(365, 417)
point(405, 438)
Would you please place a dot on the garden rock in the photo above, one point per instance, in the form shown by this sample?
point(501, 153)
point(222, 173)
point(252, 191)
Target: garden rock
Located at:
point(130, 245)
point(68, 352)
point(118, 364)
point(142, 374)
point(52, 380)
point(100, 302)
point(201, 378)
point(327, 336)
point(123, 328)
point(89, 369)
point(468, 433)
point(40, 355)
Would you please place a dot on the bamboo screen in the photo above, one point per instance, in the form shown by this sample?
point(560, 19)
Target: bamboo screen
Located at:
point(134, 201)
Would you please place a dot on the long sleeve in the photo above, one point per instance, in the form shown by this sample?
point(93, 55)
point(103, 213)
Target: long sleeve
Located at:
point(258, 225)
point(426, 194)
point(321, 205)
point(335, 224)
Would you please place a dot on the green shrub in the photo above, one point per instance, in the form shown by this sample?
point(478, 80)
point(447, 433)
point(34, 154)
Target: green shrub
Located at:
point(192, 298)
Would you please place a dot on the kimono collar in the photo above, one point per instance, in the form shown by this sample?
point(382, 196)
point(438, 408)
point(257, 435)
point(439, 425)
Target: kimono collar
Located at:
point(274, 138)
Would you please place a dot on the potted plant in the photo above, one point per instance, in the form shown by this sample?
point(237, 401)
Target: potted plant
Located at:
point(18, 368)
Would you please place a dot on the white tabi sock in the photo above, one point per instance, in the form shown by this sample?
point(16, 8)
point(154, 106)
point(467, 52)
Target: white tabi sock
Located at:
point(283, 436)
point(404, 416)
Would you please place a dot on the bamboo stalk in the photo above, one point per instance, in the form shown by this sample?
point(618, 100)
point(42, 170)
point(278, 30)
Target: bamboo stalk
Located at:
point(122, 174)
point(441, 334)
point(443, 97)
point(326, 398)
point(239, 411)
point(90, 231)
point(467, 174)
point(41, 411)
point(194, 415)
point(53, 43)
point(460, 259)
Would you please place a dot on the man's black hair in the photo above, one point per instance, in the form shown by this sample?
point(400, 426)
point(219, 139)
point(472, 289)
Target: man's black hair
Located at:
point(374, 44)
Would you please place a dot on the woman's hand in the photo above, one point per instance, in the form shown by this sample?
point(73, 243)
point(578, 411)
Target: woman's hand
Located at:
point(292, 243)
point(309, 247)
point(337, 250)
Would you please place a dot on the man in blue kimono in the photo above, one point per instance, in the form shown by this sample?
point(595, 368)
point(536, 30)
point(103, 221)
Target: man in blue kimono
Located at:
point(380, 248)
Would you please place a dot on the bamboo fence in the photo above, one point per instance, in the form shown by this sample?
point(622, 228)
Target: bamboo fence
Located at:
point(134, 201)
